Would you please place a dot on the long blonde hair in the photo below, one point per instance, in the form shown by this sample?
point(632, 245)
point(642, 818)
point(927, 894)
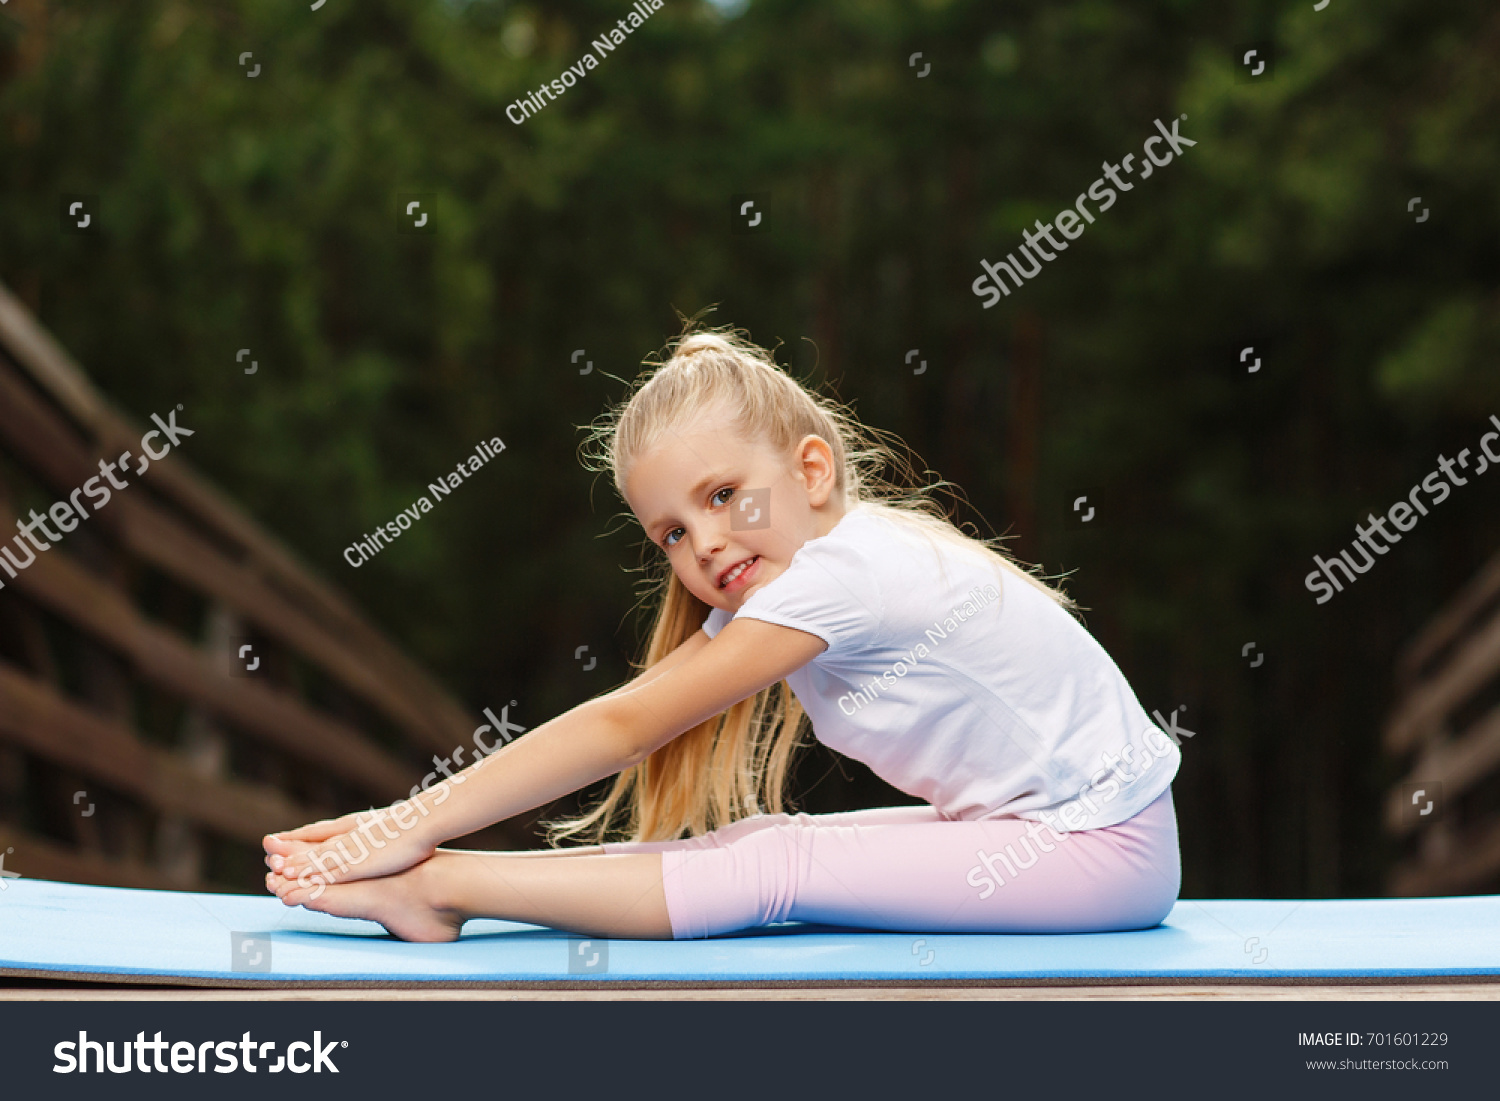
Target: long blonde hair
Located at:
point(732, 765)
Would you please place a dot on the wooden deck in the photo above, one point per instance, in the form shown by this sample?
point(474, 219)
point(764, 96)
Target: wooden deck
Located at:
point(1419, 991)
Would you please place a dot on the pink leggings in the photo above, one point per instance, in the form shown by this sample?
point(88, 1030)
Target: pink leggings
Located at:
point(907, 869)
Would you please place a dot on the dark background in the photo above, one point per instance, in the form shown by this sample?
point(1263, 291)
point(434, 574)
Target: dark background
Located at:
point(262, 213)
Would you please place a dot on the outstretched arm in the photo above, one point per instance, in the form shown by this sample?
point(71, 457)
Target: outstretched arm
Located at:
point(288, 842)
point(596, 739)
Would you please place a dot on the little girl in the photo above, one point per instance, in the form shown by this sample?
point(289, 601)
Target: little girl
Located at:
point(956, 675)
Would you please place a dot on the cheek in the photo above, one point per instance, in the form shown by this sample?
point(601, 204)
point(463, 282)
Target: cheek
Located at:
point(682, 567)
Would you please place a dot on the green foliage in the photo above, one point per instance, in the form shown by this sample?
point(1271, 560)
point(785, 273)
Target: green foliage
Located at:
point(262, 212)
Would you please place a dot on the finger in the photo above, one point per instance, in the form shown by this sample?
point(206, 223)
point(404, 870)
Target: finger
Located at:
point(299, 853)
point(318, 831)
point(313, 831)
point(311, 834)
point(308, 858)
point(325, 864)
point(274, 843)
point(277, 859)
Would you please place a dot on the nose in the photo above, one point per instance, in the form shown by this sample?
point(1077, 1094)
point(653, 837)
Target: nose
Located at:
point(711, 542)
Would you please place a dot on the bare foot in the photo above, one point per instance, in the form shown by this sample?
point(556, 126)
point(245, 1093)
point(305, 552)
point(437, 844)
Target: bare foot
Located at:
point(412, 905)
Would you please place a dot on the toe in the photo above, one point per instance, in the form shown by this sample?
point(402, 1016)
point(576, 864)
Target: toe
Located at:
point(293, 895)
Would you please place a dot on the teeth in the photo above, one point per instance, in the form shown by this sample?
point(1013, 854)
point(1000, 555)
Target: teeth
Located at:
point(732, 574)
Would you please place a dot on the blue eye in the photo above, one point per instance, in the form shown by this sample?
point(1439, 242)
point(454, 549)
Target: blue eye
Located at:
point(668, 541)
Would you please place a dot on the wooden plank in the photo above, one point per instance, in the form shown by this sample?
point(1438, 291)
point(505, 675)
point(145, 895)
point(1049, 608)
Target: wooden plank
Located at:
point(155, 538)
point(33, 345)
point(38, 858)
point(42, 722)
point(151, 534)
point(1450, 622)
point(52, 369)
point(1473, 868)
point(1421, 714)
point(204, 746)
point(1457, 765)
point(75, 594)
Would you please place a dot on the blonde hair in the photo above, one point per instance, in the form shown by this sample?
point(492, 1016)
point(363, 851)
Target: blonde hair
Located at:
point(729, 766)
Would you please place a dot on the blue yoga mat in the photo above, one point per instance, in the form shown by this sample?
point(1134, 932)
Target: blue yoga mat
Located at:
point(112, 934)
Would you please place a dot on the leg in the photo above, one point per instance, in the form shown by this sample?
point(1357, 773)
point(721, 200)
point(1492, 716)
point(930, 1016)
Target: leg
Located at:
point(594, 894)
point(272, 860)
point(746, 826)
point(1003, 875)
point(591, 893)
point(614, 890)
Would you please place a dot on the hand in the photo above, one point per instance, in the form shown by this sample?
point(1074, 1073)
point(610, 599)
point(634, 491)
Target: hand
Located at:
point(357, 846)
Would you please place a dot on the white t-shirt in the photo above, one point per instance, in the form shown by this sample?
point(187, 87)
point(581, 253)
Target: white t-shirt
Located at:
point(959, 682)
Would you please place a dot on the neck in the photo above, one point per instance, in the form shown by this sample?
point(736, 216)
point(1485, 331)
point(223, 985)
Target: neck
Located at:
point(829, 515)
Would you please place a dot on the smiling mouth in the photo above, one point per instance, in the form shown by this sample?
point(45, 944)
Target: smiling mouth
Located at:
point(737, 569)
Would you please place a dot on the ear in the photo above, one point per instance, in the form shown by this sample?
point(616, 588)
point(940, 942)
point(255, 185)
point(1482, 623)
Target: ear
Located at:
point(815, 466)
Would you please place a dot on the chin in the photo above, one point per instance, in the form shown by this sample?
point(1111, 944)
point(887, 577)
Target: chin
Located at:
point(718, 598)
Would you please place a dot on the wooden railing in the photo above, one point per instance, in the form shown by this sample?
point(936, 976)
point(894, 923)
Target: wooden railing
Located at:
point(1448, 715)
point(131, 752)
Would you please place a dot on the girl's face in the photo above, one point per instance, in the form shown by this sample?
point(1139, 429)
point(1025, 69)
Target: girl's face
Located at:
point(729, 513)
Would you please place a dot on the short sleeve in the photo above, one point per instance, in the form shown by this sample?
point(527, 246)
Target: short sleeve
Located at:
point(828, 590)
point(717, 620)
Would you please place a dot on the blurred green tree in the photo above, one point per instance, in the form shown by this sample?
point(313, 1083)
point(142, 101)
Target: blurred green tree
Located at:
point(263, 211)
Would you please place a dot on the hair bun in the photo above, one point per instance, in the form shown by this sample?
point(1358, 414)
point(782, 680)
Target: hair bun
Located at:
point(701, 342)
